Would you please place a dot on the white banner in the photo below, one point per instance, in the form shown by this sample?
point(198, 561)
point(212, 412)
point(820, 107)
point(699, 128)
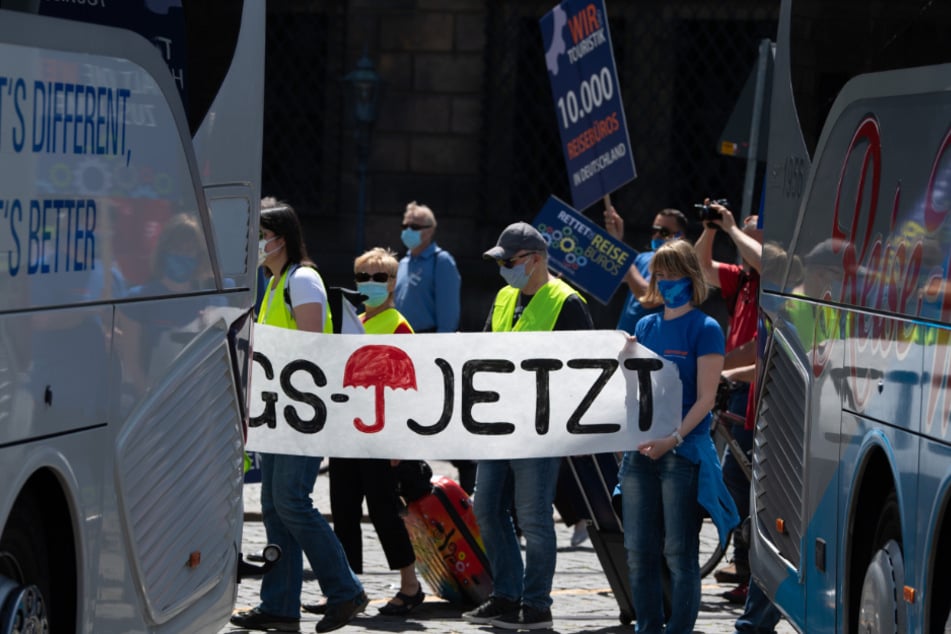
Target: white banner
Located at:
point(456, 396)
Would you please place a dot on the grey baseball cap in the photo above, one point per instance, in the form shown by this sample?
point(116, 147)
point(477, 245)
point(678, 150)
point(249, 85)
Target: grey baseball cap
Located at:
point(518, 236)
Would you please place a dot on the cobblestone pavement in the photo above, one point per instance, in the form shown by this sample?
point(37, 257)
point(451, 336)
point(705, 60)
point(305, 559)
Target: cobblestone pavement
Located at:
point(582, 598)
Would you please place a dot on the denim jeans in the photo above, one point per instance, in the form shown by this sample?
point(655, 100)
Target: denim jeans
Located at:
point(662, 519)
point(733, 475)
point(292, 522)
point(529, 486)
point(760, 616)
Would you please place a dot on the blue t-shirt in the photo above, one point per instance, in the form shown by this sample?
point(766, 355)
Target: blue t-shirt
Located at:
point(682, 341)
point(633, 311)
point(428, 289)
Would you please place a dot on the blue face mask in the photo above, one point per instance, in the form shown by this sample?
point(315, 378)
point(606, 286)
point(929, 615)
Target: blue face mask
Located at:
point(180, 268)
point(412, 238)
point(657, 242)
point(676, 293)
point(376, 292)
point(517, 276)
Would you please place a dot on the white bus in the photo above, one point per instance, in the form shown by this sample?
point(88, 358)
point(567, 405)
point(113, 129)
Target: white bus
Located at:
point(852, 458)
point(130, 162)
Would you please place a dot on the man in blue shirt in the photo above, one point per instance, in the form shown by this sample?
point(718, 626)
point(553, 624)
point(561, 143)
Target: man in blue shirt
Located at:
point(427, 292)
point(427, 282)
point(668, 225)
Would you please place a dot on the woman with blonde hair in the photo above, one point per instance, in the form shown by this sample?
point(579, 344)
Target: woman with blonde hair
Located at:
point(666, 479)
point(353, 479)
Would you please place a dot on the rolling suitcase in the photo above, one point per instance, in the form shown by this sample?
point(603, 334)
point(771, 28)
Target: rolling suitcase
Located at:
point(449, 551)
point(596, 476)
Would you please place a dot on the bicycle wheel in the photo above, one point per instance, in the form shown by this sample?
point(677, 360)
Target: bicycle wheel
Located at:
point(710, 550)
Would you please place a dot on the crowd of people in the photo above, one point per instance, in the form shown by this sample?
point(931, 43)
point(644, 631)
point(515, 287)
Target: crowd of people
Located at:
point(671, 477)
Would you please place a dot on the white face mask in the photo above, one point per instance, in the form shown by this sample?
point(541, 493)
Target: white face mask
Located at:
point(262, 249)
point(517, 276)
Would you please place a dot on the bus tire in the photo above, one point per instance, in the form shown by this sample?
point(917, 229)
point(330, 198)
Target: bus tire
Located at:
point(24, 571)
point(881, 603)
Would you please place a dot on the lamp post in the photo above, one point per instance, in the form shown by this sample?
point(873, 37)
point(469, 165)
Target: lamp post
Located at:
point(363, 85)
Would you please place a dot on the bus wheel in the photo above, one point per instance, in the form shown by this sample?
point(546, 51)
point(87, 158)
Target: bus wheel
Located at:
point(23, 573)
point(882, 608)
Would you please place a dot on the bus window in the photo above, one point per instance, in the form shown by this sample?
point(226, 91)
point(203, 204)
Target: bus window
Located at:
point(831, 42)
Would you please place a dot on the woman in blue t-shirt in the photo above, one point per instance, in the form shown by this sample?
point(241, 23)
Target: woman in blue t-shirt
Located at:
point(663, 481)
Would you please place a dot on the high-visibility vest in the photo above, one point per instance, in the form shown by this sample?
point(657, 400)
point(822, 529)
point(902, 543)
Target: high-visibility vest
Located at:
point(540, 314)
point(278, 313)
point(385, 323)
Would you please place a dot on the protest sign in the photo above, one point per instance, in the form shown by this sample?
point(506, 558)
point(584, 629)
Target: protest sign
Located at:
point(587, 97)
point(581, 251)
point(457, 396)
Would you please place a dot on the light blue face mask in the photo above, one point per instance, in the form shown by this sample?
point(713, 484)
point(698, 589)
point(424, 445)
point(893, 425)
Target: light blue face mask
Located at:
point(517, 276)
point(376, 292)
point(412, 238)
point(676, 293)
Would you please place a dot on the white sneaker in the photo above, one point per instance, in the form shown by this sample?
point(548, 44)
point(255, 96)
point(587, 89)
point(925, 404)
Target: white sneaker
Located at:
point(580, 534)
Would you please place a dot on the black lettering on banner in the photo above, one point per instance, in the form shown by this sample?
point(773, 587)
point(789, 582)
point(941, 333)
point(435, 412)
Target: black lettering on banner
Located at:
point(448, 389)
point(316, 423)
point(645, 394)
point(608, 367)
point(471, 396)
point(269, 416)
point(542, 368)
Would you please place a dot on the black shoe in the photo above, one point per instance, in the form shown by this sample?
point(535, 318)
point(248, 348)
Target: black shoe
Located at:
point(255, 619)
point(408, 603)
point(315, 608)
point(339, 614)
point(494, 608)
point(528, 618)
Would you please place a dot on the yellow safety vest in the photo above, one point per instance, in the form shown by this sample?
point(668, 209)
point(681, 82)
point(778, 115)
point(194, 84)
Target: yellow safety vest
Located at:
point(540, 314)
point(385, 323)
point(278, 313)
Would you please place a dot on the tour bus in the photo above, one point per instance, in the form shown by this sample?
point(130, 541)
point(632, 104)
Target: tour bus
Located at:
point(130, 161)
point(851, 491)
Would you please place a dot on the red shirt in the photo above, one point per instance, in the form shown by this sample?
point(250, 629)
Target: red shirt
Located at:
point(741, 292)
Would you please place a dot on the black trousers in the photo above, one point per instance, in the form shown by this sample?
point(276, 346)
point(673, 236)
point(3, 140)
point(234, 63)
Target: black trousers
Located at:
point(352, 480)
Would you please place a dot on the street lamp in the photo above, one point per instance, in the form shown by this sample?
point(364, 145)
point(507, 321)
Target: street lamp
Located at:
point(363, 86)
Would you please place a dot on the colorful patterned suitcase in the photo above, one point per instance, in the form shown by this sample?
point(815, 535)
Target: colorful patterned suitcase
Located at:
point(449, 551)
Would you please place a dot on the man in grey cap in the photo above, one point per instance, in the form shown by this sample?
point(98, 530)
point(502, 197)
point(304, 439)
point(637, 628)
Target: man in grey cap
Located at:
point(532, 300)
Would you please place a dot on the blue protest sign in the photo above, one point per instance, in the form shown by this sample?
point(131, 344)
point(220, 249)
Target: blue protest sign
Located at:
point(581, 251)
point(587, 96)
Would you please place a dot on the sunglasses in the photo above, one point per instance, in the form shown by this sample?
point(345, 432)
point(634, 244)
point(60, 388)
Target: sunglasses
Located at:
point(663, 232)
point(509, 263)
point(376, 277)
point(414, 226)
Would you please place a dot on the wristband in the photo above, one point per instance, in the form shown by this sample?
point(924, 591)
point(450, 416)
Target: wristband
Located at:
point(680, 439)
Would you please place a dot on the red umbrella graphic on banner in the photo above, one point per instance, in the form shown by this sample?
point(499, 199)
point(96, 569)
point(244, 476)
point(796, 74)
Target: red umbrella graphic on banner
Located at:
point(378, 367)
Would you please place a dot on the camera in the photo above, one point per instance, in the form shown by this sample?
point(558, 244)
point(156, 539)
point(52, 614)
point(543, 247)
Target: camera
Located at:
point(709, 213)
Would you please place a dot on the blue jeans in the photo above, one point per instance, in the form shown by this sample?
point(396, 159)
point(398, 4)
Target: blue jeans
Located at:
point(733, 475)
point(292, 522)
point(662, 519)
point(529, 485)
point(759, 616)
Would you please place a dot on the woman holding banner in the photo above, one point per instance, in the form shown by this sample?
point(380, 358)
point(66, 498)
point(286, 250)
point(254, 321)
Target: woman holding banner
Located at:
point(296, 298)
point(353, 479)
point(666, 477)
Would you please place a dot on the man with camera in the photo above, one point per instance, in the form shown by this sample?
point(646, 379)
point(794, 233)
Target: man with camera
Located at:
point(739, 286)
point(669, 224)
